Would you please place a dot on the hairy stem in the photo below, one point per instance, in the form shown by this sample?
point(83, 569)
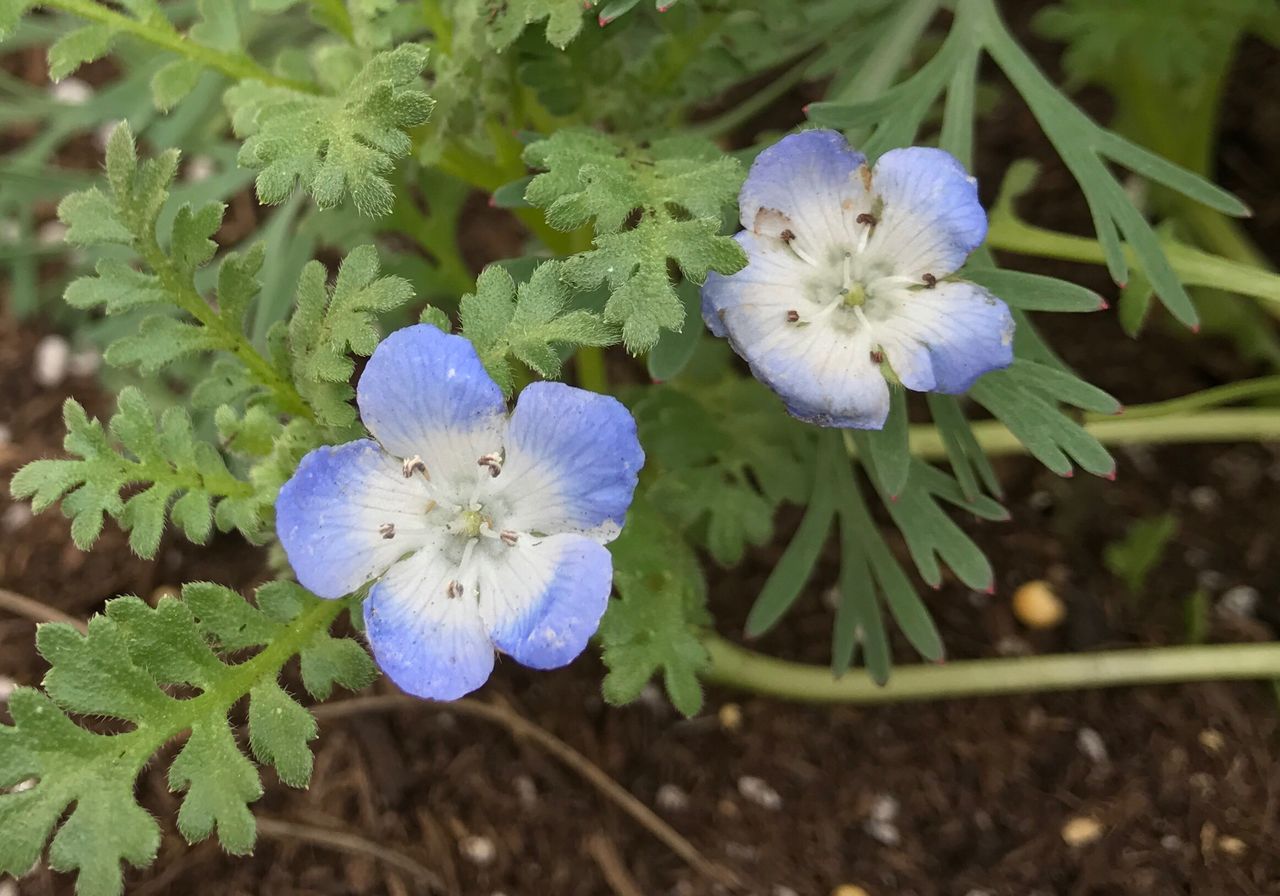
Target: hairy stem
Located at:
point(234, 65)
point(740, 668)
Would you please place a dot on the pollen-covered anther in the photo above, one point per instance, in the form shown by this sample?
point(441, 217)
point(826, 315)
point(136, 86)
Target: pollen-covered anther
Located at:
point(493, 462)
point(413, 465)
point(930, 281)
point(793, 316)
point(454, 589)
point(509, 538)
point(867, 218)
point(877, 356)
point(387, 530)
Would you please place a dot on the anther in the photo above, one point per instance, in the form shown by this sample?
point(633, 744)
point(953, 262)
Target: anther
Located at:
point(431, 505)
point(493, 462)
point(414, 465)
point(793, 316)
point(877, 356)
point(867, 218)
point(387, 530)
point(454, 590)
point(787, 235)
point(509, 538)
point(930, 281)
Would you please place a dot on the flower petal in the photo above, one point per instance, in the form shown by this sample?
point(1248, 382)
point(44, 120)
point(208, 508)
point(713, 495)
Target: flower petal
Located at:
point(771, 267)
point(571, 465)
point(425, 392)
point(330, 517)
point(542, 599)
point(807, 183)
point(824, 374)
point(931, 218)
point(942, 339)
point(431, 644)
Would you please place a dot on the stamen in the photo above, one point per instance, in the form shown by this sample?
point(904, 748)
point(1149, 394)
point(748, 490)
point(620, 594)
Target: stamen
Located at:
point(877, 356)
point(415, 465)
point(431, 505)
point(793, 316)
point(789, 237)
point(509, 538)
point(867, 218)
point(847, 274)
point(454, 590)
point(493, 462)
point(930, 281)
point(387, 530)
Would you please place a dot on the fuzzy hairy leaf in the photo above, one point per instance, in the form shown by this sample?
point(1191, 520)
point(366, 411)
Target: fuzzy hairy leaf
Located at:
point(184, 478)
point(508, 18)
point(650, 206)
point(119, 669)
point(530, 322)
point(332, 324)
point(652, 625)
point(334, 145)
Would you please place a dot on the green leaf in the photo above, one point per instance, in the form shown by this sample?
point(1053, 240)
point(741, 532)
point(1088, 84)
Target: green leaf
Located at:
point(531, 322)
point(164, 455)
point(75, 48)
point(675, 349)
point(1035, 292)
point(119, 669)
point(334, 146)
point(1133, 558)
point(10, 12)
point(332, 324)
point(650, 206)
point(652, 626)
point(327, 661)
point(171, 84)
point(508, 18)
point(888, 448)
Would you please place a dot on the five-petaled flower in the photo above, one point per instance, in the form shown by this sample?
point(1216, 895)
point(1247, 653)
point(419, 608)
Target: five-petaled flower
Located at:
point(849, 279)
point(484, 530)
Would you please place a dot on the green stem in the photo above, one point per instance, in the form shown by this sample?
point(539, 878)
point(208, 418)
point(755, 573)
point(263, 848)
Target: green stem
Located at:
point(1236, 425)
point(1193, 267)
point(739, 668)
point(589, 364)
point(1245, 390)
point(189, 300)
point(234, 65)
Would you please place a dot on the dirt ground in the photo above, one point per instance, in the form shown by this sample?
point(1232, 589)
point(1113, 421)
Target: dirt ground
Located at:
point(1177, 788)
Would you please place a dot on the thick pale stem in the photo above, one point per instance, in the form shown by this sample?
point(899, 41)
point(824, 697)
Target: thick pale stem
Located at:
point(736, 667)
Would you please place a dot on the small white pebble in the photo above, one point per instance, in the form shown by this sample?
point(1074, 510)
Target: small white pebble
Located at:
point(1210, 580)
point(478, 850)
point(1040, 501)
point(1212, 740)
point(756, 790)
point(671, 798)
point(885, 807)
point(6, 434)
point(526, 790)
point(71, 91)
point(8, 888)
point(1081, 831)
point(22, 786)
point(1012, 645)
point(15, 517)
point(200, 168)
point(1240, 602)
point(7, 686)
point(831, 597)
point(1204, 499)
point(1090, 743)
point(781, 890)
point(977, 892)
point(51, 233)
point(1171, 842)
point(49, 366)
point(85, 363)
point(1232, 846)
point(652, 698)
point(883, 832)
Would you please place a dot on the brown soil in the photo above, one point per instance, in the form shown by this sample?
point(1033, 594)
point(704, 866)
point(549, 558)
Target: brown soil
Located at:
point(1185, 791)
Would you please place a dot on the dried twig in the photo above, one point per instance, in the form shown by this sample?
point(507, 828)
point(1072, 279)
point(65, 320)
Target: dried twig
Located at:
point(343, 841)
point(36, 611)
point(522, 727)
point(611, 866)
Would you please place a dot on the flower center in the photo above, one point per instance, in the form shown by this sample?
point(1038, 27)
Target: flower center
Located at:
point(470, 522)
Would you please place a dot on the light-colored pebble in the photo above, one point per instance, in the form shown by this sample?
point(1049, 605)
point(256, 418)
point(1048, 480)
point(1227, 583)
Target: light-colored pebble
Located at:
point(8, 888)
point(85, 363)
point(1240, 602)
point(1012, 645)
point(7, 686)
point(49, 365)
point(1212, 740)
point(883, 832)
point(1081, 831)
point(849, 890)
point(6, 434)
point(477, 850)
point(758, 791)
point(671, 798)
point(885, 807)
point(1037, 606)
point(1090, 743)
point(1171, 842)
point(71, 91)
point(730, 716)
point(51, 233)
point(200, 168)
point(782, 890)
point(526, 790)
point(651, 698)
point(1232, 846)
point(15, 517)
point(1204, 498)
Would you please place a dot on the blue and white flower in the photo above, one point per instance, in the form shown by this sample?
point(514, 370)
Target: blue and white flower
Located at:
point(849, 276)
point(484, 530)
